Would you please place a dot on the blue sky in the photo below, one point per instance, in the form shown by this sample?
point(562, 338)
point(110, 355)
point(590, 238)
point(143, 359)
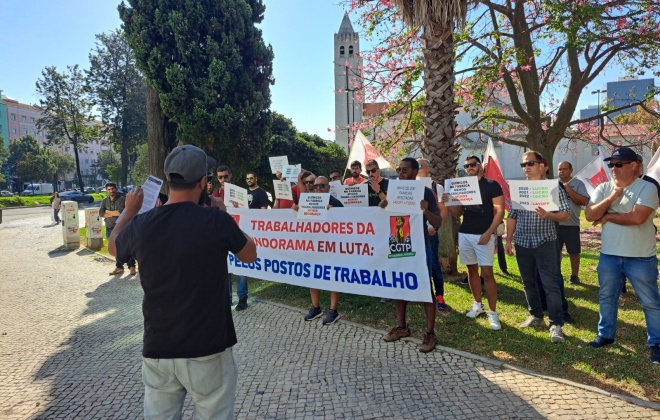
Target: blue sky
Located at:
point(40, 33)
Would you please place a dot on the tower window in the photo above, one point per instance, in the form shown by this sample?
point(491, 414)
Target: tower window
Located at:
point(350, 50)
point(341, 50)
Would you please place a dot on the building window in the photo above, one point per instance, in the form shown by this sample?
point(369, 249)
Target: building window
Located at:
point(23, 119)
point(32, 120)
point(41, 134)
point(350, 50)
point(25, 131)
point(13, 131)
point(341, 50)
point(34, 132)
point(13, 117)
point(86, 160)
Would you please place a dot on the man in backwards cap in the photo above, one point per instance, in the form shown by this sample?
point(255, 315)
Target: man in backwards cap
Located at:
point(625, 207)
point(188, 328)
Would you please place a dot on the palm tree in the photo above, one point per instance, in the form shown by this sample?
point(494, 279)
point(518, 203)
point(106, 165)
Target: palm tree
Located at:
point(437, 19)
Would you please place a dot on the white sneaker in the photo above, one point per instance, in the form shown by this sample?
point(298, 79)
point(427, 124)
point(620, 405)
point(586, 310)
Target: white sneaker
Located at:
point(556, 335)
point(494, 321)
point(477, 309)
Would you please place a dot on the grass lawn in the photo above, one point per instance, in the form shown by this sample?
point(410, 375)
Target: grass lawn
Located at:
point(623, 367)
point(27, 201)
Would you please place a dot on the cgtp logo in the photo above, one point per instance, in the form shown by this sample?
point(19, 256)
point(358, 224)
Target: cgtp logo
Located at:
point(237, 218)
point(400, 241)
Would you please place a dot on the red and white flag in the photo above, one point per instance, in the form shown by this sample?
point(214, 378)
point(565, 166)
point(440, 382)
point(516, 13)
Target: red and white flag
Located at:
point(363, 151)
point(494, 172)
point(593, 174)
point(653, 168)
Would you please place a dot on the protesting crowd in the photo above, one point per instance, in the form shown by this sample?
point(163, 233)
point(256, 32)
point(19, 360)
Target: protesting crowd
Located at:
point(183, 250)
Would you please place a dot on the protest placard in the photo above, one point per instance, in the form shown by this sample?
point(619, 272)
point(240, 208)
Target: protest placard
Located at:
point(313, 206)
point(333, 188)
point(290, 172)
point(353, 195)
point(404, 196)
point(151, 188)
point(277, 163)
point(463, 191)
point(364, 251)
point(439, 190)
point(427, 180)
point(528, 195)
point(283, 190)
point(235, 194)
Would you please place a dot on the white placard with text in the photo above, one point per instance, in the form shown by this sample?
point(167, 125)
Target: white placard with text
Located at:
point(283, 190)
point(277, 163)
point(404, 196)
point(528, 195)
point(235, 194)
point(463, 191)
point(313, 206)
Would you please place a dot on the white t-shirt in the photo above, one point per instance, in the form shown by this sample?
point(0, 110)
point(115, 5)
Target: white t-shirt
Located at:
point(628, 241)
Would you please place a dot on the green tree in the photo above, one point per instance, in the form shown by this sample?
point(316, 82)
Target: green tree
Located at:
point(64, 164)
point(67, 110)
point(106, 159)
point(141, 168)
point(209, 72)
point(315, 154)
point(4, 154)
point(29, 161)
point(120, 93)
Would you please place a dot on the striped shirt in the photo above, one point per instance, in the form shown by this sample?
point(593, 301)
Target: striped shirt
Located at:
point(533, 231)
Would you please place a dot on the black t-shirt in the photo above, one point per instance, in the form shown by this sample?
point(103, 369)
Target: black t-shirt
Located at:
point(430, 198)
point(257, 198)
point(185, 306)
point(652, 181)
point(374, 199)
point(478, 218)
point(335, 203)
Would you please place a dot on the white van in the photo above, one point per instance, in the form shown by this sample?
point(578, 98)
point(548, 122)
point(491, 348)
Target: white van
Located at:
point(38, 189)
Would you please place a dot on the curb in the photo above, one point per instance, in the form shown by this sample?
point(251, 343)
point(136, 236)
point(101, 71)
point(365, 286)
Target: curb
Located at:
point(497, 363)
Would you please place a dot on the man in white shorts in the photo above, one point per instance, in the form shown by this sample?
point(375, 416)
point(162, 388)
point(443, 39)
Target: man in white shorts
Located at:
point(476, 239)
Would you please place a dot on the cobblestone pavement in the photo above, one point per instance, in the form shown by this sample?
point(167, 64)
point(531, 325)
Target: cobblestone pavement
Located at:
point(70, 341)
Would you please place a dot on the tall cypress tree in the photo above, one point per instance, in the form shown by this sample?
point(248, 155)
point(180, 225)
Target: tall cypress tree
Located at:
point(211, 71)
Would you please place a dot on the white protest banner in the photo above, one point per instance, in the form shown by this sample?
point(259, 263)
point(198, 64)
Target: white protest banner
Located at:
point(277, 163)
point(234, 193)
point(283, 190)
point(333, 188)
point(313, 206)
point(353, 195)
point(528, 195)
point(291, 171)
point(151, 188)
point(364, 251)
point(439, 190)
point(463, 191)
point(404, 196)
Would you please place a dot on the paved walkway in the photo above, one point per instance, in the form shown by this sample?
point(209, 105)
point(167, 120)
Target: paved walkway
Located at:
point(70, 341)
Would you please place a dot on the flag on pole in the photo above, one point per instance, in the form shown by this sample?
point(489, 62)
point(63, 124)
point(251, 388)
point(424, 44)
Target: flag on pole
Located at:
point(601, 154)
point(593, 174)
point(494, 172)
point(363, 151)
point(653, 168)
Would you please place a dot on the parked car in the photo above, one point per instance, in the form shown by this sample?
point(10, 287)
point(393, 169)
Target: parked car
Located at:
point(90, 189)
point(38, 189)
point(5, 193)
point(76, 196)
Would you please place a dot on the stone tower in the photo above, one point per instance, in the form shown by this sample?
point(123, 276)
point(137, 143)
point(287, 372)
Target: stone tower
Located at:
point(348, 81)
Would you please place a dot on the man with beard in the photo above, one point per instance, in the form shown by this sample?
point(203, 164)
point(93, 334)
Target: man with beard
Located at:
point(356, 178)
point(257, 197)
point(377, 189)
point(111, 208)
point(224, 175)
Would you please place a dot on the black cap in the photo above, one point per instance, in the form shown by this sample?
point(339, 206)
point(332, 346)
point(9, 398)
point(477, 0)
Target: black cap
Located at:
point(188, 163)
point(623, 153)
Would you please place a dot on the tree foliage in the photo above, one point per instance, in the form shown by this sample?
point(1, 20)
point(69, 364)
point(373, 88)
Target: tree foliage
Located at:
point(210, 68)
point(141, 168)
point(522, 65)
point(4, 154)
point(314, 153)
point(29, 161)
point(106, 159)
point(120, 92)
point(67, 110)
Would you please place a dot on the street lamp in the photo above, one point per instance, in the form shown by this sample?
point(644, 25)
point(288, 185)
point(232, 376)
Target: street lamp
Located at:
point(599, 91)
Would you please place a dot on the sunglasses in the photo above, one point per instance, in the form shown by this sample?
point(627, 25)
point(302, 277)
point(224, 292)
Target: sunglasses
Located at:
point(402, 170)
point(371, 171)
point(470, 165)
point(529, 163)
point(318, 186)
point(223, 176)
point(617, 165)
point(335, 178)
point(309, 182)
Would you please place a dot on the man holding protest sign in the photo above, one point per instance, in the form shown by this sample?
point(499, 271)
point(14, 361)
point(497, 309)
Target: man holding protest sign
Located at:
point(476, 239)
point(407, 170)
point(625, 206)
point(534, 234)
point(224, 175)
point(322, 186)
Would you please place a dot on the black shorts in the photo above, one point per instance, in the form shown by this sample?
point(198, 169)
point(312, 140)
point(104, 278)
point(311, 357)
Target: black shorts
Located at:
point(569, 235)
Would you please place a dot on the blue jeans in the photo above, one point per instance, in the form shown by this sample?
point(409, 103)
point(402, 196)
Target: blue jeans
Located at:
point(643, 275)
point(119, 264)
point(541, 261)
point(241, 287)
point(436, 270)
point(56, 216)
